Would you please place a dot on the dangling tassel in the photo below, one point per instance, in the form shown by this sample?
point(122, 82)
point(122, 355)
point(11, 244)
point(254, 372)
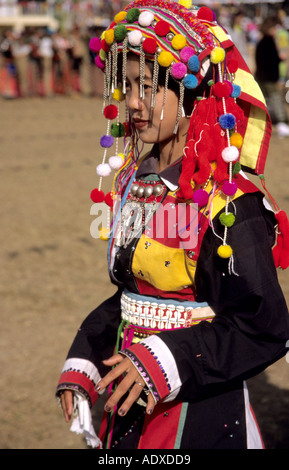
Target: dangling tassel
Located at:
point(281, 249)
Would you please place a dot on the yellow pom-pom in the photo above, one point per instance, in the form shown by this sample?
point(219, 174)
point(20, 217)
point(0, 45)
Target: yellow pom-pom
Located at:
point(186, 3)
point(104, 233)
point(120, 16)
point(217, 55)
point(109, 36)
point(102, 54)
point(225, 251)
point(236, 139)
point(118, 94)
point(179, 42)
point(165, 59)
point(122, 155)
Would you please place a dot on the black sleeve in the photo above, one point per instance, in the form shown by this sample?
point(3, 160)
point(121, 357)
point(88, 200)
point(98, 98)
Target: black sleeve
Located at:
point(96, 337)
point(251, 327)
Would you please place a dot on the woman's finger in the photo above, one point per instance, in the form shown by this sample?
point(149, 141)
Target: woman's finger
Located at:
point(121, 366)
point(67, 404)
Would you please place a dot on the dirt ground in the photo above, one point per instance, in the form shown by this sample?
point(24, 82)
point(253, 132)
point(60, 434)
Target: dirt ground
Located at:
point(53, 273)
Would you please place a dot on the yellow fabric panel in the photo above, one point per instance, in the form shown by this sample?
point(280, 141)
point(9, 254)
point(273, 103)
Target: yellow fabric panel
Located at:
point(163, 267)
point(219, 33)
point(253, 137)
point(248, 84)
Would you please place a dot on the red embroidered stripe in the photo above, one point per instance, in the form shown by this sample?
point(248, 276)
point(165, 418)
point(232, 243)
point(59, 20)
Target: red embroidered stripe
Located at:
point(78, 378)
point(150, 363)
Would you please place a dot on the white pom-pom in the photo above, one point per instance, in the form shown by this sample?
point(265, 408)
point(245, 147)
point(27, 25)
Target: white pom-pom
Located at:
point(146, 18)
point(103, 169)
point(115, 162)
point(230, 154)
point(135, 38)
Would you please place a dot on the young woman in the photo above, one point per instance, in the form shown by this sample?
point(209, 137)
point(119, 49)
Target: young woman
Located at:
point(198, 308)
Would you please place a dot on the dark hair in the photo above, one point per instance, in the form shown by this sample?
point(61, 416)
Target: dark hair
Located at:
point(269, 23)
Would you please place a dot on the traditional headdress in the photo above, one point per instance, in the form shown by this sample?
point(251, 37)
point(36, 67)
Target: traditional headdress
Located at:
point(230, 126)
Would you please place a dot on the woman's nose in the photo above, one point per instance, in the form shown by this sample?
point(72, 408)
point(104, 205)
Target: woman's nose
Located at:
point(134, 100)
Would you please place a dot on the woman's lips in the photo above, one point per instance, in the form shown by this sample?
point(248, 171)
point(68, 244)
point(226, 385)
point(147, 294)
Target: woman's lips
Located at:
point(139, 123)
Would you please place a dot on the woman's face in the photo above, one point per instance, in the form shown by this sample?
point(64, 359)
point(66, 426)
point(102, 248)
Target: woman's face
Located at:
point(149, 125)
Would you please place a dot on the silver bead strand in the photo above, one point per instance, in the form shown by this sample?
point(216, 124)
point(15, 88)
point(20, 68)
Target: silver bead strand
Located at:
point(124, 64)
point(142, 72)
point(180, 107)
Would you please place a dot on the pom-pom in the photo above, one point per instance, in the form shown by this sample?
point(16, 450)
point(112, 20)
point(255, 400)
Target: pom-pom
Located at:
point(165, 59)
point(233, 66)
point(236, 168)
point(229, 189)
point(194, 64)
point(95, 45)
point(120, 16)
point(217, 55)
point(225, 251)
point(102, 55)
point(109, 36)
point(104, 45)
point(135, 38)
point(179, 70)
point(227, 121)
point(236, 91)
point(204, 13)
point(186, 3)
point(227, 219)
point(110, 111)
point(236, 140)
point(149, 45)
point(132, 15)
point(186, 53)
point(115, 162)
point(222, 89)
point(117, 129)
point(178, 42)
point(146, 18)
point(162, 28)
point(106, 141)
point(200, 197)
point(103, 169)
point(120, 32)
point(97, 195)
point(190, 82)
point(109, 199)
point(99, 63)
point(230, 154)
point(118, 94)
point(104, 233)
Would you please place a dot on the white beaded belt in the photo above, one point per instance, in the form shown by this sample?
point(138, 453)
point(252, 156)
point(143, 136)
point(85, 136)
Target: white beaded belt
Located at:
point(154, 315)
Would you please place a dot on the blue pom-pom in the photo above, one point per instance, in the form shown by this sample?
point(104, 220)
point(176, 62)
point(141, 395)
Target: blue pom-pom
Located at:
point(190, 82)
point(106, 141)
point(194, 64)
point(236, 91)
point(227, 121)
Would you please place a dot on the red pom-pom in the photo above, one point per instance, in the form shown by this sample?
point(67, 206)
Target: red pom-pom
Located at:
point(222, 89)
point(96, 195)
point(162, 28)
point(233, 66)
point(281, 250)
point(205, 13)
point(104, 45)
point(110, 111)
point(108, 199)
point(149, 46)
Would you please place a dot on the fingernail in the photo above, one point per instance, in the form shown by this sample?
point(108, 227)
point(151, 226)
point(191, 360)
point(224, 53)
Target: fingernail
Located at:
point(98, 388)
point(149, 411)
point(107, 408)
point(121, 412)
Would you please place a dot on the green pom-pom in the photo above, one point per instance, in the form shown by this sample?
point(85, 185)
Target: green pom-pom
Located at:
point(227, 219)
point(117, 130)
point(132, 15)
point(237, 168)
point(120, 32)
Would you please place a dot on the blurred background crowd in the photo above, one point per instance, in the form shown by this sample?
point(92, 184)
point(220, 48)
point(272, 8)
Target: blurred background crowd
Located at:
point(44, 46)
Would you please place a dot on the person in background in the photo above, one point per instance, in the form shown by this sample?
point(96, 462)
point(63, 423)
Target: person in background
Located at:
point(268, 74)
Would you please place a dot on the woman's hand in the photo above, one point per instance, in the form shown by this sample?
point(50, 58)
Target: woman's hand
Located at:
point(67, 404)
point(132, 381)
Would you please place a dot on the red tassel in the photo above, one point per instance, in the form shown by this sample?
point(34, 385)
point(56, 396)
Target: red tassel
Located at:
point(281, 250)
